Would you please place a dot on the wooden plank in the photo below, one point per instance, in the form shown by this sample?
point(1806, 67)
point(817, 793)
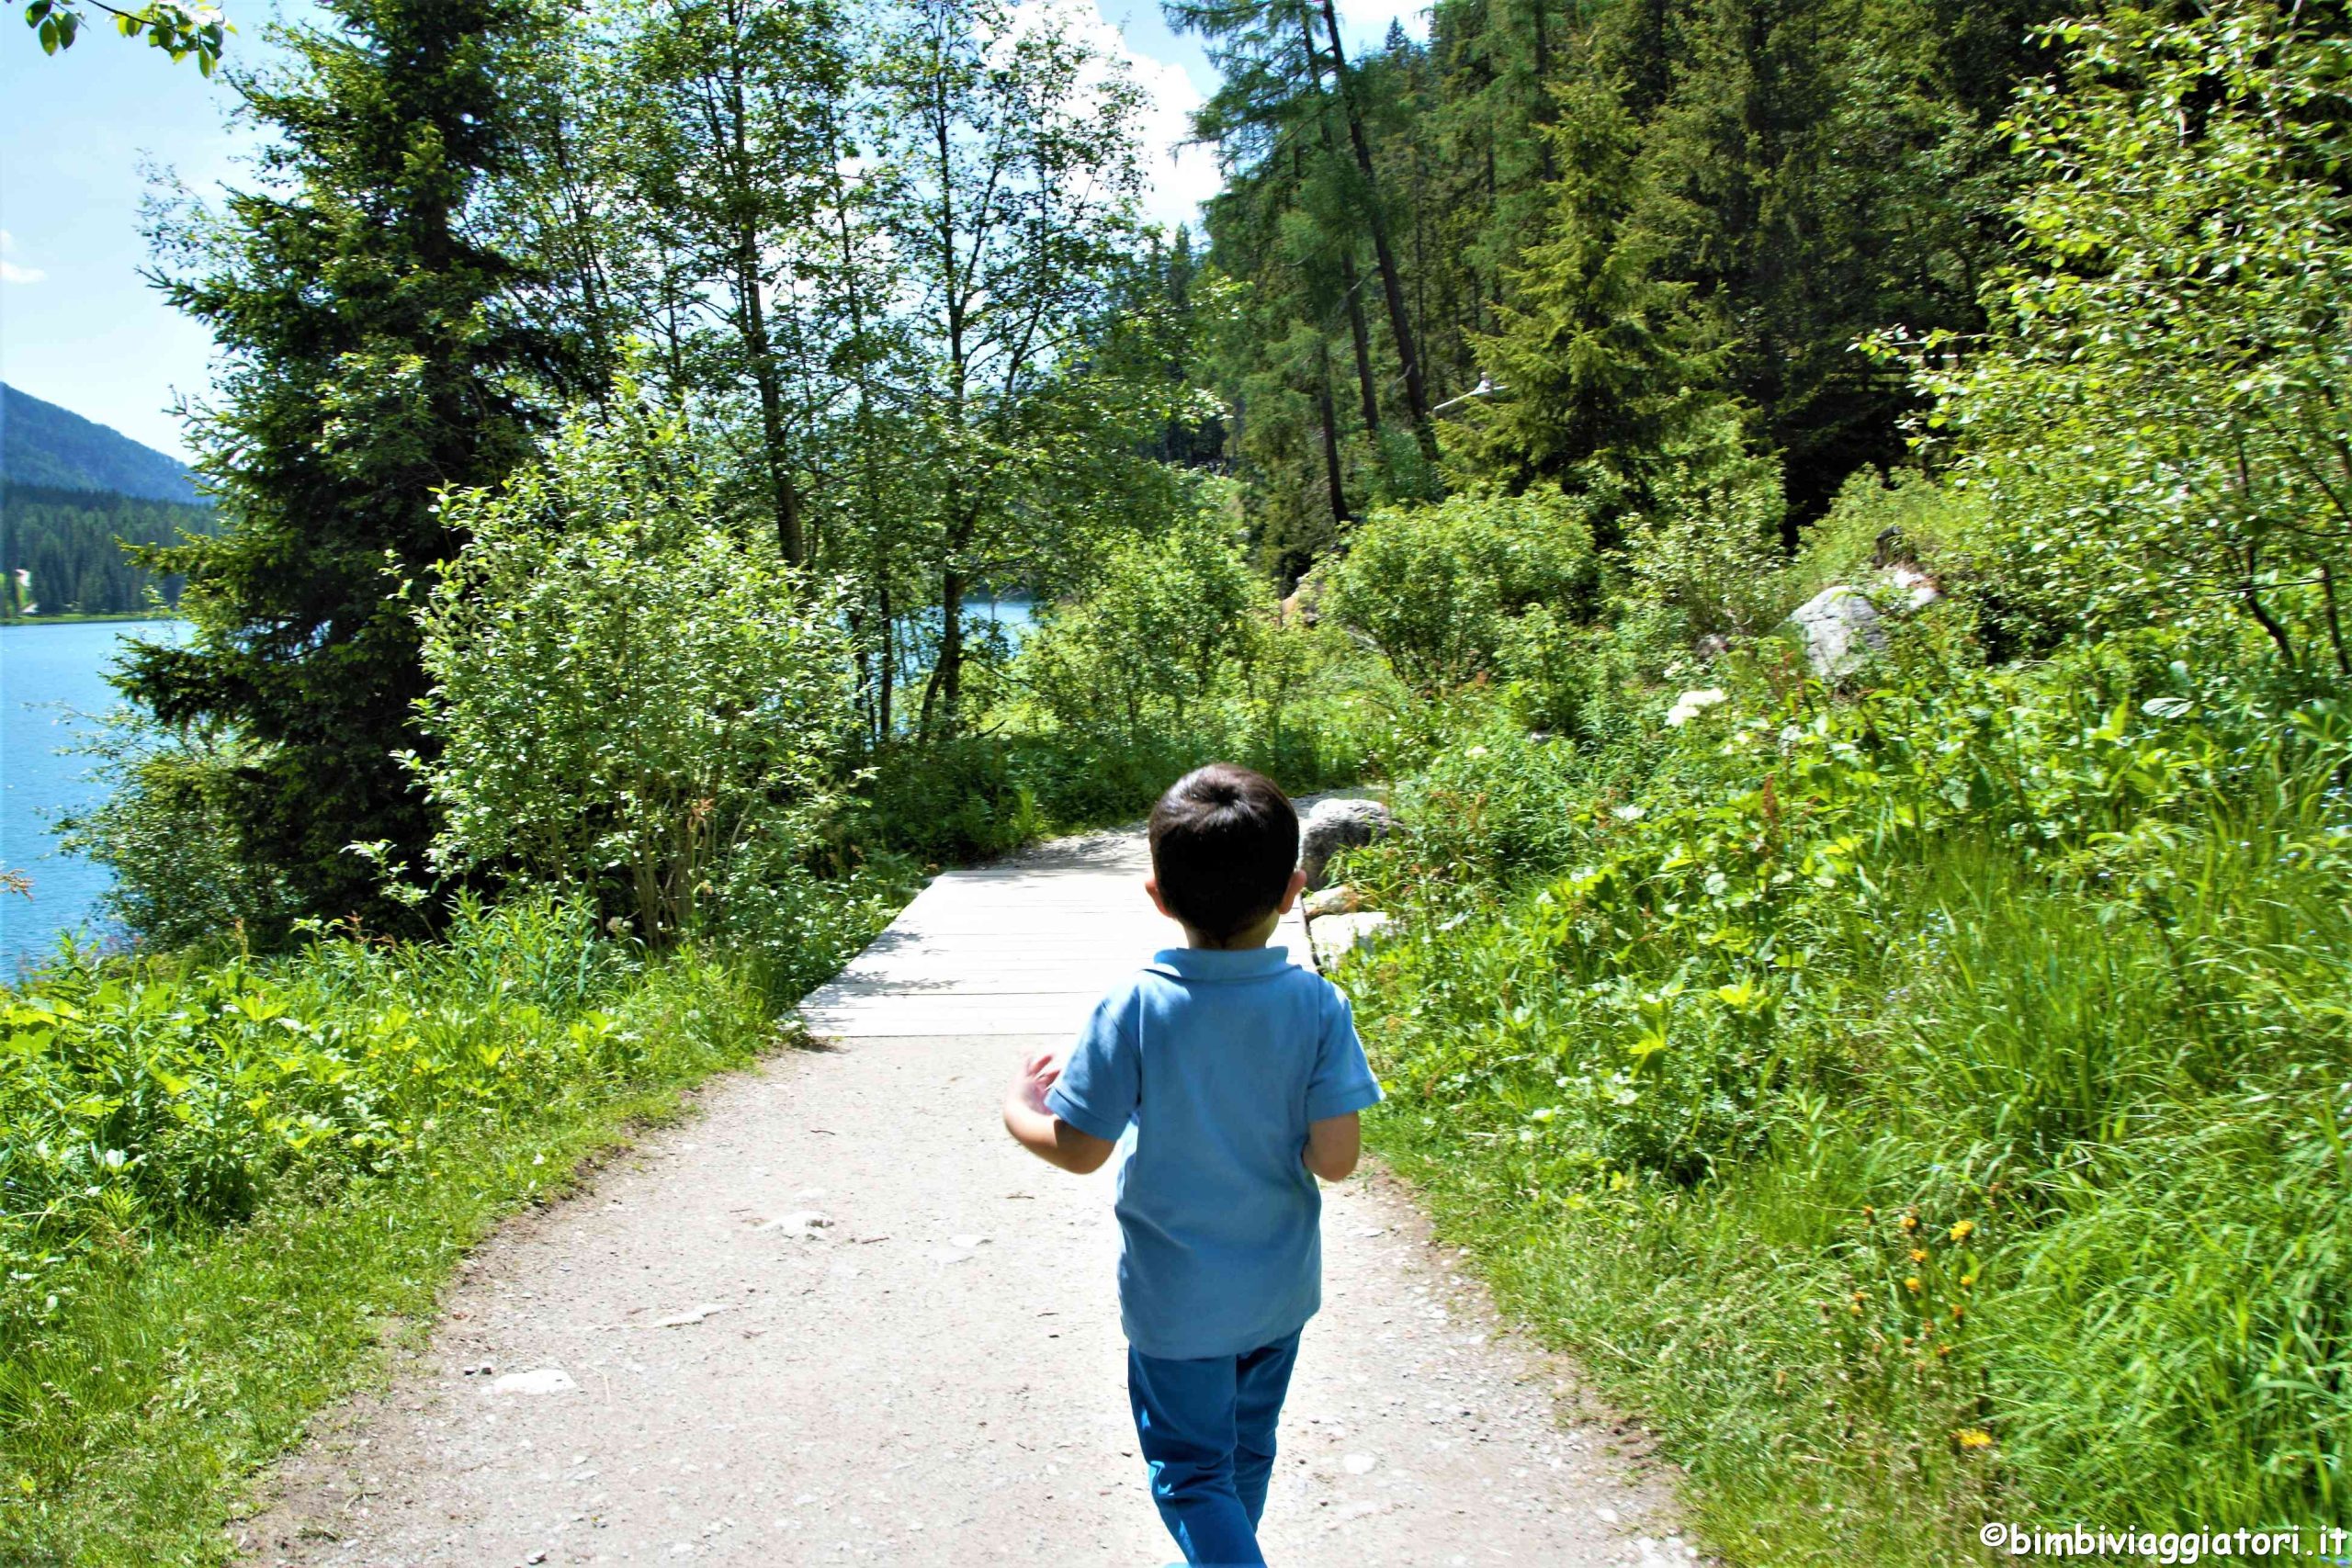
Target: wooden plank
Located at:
point(1024, 948)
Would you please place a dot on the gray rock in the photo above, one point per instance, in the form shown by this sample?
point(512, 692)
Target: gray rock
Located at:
point(1334, 934)
point(1842, 630)
point(1336, 825)
point(1341, 900)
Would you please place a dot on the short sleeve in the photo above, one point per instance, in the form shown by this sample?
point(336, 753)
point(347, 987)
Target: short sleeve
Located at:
point(1342, 1080)
point(1101, 1082)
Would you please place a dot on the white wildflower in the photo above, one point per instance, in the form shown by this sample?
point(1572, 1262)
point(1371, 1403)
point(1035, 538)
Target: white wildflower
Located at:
point(1691, 704)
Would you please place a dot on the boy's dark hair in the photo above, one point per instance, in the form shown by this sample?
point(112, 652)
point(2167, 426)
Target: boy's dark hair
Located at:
point(1224, 843)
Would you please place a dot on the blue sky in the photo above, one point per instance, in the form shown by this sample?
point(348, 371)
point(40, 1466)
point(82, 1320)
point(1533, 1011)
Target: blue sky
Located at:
point(86, 128)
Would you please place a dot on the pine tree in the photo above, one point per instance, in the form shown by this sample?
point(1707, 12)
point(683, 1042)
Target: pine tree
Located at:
point(376, 354)
point(1603, 357)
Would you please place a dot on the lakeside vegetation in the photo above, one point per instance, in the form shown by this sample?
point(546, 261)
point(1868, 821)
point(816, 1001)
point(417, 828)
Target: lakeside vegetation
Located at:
point(75, 620)
point(1914, 1078)
point(63, 555)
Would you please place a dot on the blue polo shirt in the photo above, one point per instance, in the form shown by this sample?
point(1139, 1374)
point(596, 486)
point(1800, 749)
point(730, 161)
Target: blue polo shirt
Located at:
point(1216, 1060)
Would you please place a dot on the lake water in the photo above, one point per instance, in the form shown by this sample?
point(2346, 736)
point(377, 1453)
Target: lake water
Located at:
point(1016, 614)
point(48, 675)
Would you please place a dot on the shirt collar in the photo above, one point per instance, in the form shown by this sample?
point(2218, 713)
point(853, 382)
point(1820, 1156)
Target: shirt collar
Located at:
point(1220, 962)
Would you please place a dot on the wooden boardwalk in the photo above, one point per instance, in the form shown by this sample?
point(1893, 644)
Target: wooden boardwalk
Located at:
point(1026, 947)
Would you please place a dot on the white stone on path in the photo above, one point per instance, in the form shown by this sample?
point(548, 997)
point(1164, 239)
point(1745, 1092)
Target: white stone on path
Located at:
point(806, 1223)
point(541, 1380)
point(693, 1316)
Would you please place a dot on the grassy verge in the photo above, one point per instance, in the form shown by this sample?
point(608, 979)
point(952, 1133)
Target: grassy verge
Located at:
point(1923, 1109)
point(1700, 1326)
point(175, 1381)
point(233, 1186)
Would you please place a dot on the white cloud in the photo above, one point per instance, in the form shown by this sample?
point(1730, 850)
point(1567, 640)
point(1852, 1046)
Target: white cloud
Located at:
point(1178, 175)
point(9, 271)
point(1368, 19)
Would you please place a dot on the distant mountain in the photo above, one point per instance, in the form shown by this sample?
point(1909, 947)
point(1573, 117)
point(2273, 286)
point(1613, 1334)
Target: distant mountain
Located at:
point(41, 443)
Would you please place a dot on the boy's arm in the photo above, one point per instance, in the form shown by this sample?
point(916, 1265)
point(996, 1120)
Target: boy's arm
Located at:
point(1041, 1132)
point(1333, 1145)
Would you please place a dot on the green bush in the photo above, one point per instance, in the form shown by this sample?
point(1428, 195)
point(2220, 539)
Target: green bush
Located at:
point(1701, 555)
point(1171, 654)
point(1930, 523)
point(2159, 419)
point(1438, 589)
point(164, 830)
point(627, 698)
point(164, 1095)
point(1168, 623)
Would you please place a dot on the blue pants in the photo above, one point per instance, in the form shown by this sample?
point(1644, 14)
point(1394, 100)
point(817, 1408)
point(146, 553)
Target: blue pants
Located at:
point(1207, 1431)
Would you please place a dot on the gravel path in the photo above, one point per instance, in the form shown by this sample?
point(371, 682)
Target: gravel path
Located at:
point(840, 1317)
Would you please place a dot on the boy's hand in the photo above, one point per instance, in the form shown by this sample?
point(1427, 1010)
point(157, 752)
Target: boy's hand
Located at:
point(1036, 1077)
point(1041, 1132)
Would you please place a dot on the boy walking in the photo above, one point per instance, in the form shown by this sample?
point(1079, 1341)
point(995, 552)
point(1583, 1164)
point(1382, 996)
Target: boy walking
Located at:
point(1234, 1078)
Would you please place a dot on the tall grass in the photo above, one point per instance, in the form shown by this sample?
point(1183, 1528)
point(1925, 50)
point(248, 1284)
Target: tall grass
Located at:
point(1917, 1134)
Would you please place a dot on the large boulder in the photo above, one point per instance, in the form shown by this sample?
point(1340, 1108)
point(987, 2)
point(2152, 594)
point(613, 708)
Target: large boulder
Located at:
point(1335, 825)
point(1842, 630)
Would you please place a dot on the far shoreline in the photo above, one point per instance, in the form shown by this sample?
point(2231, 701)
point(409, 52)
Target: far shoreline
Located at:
point(79, 619)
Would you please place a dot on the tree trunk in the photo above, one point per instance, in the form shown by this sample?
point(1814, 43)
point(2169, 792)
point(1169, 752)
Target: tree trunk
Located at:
point(754, 328)
point(1400, 324)
point(1544, 101)
point(948, 679)
point(890, 681)
point(1366, 387)
point(1330, 434)
point(752, 323)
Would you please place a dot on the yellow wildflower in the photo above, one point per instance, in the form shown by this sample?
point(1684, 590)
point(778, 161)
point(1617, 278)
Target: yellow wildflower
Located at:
point(1919, 1254)
point(1963, 1229)
point(1974, 1438)
point(1912, 1284)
